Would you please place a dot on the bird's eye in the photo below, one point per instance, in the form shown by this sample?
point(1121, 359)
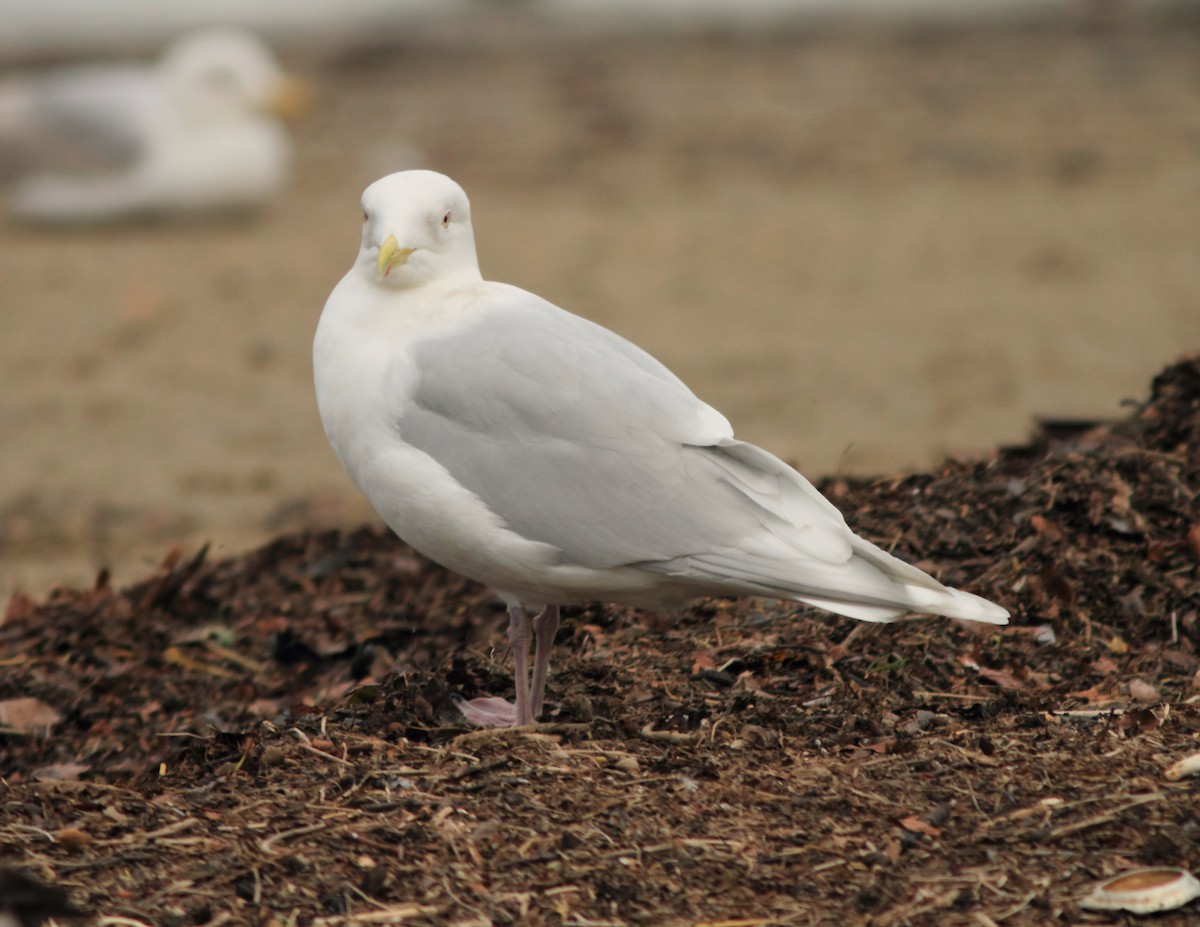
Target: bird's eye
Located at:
point(365, 217)
point(446, 220)
point(221, 78)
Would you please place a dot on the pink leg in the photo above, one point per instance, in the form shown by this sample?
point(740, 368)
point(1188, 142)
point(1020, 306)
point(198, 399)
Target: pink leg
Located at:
point(519, 640)
point(491, 711)
point(544, 627)
point(488, 711)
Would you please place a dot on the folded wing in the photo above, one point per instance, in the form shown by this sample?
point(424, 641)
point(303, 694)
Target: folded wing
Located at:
point(578, 439)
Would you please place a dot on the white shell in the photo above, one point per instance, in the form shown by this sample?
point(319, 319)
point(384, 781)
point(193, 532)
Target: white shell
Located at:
point(1144, 891)
point(1188, 766)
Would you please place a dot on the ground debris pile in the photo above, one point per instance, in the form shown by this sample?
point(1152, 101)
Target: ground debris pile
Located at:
point(271, 739)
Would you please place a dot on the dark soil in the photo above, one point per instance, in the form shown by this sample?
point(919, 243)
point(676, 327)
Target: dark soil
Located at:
point(271, 739)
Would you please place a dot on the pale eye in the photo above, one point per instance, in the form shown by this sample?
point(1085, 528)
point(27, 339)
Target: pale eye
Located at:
point(446, 220)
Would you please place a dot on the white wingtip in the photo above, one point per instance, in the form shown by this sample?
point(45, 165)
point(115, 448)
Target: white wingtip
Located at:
point(984, 610)
point(954, 603)
point(950, 603)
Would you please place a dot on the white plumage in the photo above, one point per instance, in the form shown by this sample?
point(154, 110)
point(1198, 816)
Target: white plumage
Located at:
point(199, 132)
point(545, 456)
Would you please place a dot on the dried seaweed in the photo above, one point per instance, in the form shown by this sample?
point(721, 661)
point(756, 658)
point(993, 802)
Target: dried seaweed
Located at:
point(271, 739)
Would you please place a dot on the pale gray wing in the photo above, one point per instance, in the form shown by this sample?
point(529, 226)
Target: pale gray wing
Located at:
point(107, 110)
point(69, 199)
point(578, 439)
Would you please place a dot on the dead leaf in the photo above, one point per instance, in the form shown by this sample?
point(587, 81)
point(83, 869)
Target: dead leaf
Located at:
point(1157, 551)
point(1143, 691)
point(272, 624)
point(921, 721)
point(939, 814)
point(1103, 666)
point(835, 653)
point(979, 758)
point(60, 772)
point(1193, 541)
point(1004, 678)
point(1056, 586)
point(1184, 661)
point(20, 607)
point(595, 632)
point(1122, 493)
point(1097, 695)
point(74, 840)
point(1046, 528)
point(1138, 721)
point(916, 825)
point(171, 559)
point(176, 657)
point(27, 715)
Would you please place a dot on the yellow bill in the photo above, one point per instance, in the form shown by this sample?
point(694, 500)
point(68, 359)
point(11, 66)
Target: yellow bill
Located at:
point(291, 99)
point(391, 256)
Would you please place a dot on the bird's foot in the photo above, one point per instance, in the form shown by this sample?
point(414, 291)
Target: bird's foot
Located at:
point(490, 711)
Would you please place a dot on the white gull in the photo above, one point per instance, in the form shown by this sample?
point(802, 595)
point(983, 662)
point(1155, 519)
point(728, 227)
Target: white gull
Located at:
point(547, 457)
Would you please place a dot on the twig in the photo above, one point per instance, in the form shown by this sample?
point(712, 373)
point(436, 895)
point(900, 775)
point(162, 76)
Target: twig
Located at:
point(168, 830)
point(742, 922)
point(925, 693)
point(1101, 818)
point(1017, 908)
point(265, 845)
point(671, 737)
point(383, 916)
point(323, 755)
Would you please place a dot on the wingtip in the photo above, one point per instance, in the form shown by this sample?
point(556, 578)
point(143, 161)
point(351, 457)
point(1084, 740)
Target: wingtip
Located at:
point(980, 609)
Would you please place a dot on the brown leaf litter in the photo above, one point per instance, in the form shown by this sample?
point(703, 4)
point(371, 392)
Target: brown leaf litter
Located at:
point(271, 739)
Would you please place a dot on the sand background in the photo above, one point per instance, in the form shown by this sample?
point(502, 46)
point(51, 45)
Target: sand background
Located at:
point(869, 248)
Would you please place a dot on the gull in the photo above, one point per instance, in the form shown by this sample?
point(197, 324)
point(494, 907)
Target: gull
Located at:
point(538, 453)
point(200, 132)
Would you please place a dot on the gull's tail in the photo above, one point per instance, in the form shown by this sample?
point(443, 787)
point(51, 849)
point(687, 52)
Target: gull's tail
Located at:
point(900, 588)
point(871, 585)
point(804, 551)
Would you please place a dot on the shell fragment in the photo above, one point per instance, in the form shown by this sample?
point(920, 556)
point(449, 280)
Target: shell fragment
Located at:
point(1188, 766)
point(1144, 891)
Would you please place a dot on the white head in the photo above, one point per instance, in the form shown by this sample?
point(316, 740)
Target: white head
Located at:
point(416, 229)
point(223, 74)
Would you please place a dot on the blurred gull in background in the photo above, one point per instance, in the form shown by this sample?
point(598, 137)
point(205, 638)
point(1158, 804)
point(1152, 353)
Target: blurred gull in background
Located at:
point(200, 132)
